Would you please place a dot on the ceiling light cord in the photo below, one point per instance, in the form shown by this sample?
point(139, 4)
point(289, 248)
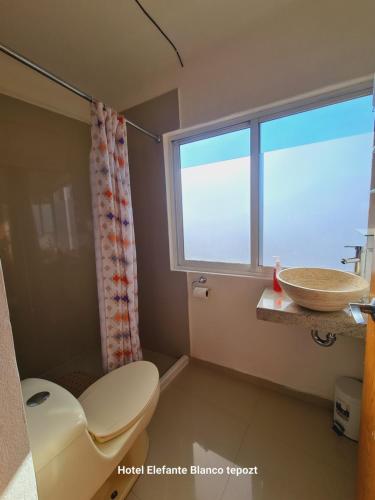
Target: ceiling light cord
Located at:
point(161, 31)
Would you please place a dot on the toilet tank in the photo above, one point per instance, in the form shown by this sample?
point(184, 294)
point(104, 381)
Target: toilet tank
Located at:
point(55, 419)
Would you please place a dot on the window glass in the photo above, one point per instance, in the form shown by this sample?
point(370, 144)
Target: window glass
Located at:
point(315, 172)
point(215, 178)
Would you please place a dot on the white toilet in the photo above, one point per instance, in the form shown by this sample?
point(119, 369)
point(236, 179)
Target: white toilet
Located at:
point(77, 444)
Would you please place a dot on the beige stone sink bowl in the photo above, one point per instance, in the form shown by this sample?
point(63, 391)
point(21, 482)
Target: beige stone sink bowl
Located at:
point(322, 289)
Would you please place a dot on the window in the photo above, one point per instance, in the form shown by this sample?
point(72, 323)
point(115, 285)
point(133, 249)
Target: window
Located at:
point(292, 182)
point(215, 184)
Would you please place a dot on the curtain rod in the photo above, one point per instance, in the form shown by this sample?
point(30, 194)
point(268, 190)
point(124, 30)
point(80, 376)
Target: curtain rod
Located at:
point(23, 60)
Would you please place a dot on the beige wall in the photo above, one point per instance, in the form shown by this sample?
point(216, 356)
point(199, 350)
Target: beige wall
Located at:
point(46, 241)
point(17, 479)
point(295, 54)
point(302, 48)
point(224, 330)
point(163, 310)
point(292, 50)
point(28, 85)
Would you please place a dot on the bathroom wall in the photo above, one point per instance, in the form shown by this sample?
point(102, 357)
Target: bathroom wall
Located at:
point(224, 330)
point(163, 310)
point(291, 51)
point(299, 49)
point(27, 85)
point(294, 49)
point(292, 59)
point(46, 241)
point(17, 479)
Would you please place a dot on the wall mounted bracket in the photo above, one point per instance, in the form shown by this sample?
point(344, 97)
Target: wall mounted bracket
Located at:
point(199, 281)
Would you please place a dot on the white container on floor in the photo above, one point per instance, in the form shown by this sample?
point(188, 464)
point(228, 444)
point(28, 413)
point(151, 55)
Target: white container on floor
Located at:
point(347, 410)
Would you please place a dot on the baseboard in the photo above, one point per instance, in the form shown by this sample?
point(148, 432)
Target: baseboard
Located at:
point(268, 384)
point(173, 371)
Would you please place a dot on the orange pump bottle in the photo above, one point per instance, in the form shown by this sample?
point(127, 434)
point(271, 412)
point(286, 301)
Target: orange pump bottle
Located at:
point(276, 270)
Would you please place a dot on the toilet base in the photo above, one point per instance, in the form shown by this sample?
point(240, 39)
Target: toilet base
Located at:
point(117, 486)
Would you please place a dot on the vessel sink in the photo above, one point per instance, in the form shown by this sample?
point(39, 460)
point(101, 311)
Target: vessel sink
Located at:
point(322, 289)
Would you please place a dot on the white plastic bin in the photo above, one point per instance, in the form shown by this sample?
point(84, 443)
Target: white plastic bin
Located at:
point(347, 411)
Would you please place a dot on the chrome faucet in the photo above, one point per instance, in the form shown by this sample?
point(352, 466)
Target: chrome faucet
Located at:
point(354, 260)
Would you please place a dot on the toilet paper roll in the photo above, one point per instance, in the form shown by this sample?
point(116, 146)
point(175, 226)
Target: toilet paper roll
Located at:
point(200, 292)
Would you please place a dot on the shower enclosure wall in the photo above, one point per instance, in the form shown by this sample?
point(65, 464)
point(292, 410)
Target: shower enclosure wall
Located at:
point(163, 301)
point(47, 251)
point(46, 238)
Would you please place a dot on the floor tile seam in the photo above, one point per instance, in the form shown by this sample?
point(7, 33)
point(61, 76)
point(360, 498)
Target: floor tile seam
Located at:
point(220, 407)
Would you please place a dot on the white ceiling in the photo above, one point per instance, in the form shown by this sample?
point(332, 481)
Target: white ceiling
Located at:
point(108, 48)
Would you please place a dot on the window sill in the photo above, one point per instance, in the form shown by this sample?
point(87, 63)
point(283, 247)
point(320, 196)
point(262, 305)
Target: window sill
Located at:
point(265, 273)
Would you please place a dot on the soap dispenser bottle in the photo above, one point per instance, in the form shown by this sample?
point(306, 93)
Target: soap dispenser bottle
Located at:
point(276, 270)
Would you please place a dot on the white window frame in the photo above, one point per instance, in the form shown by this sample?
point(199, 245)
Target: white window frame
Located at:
point(253, 119)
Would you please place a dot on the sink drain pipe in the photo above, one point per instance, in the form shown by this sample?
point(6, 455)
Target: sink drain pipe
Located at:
point(327, 342)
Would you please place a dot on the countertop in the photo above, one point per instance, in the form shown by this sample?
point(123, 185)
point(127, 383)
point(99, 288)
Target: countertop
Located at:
point(279, 308)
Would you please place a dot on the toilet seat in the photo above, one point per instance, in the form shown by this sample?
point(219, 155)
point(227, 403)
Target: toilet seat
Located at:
point(116, 401)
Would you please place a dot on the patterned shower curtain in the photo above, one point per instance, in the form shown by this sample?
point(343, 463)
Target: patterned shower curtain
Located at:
point(116, 265)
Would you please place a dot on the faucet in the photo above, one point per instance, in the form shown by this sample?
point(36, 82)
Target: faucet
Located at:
point(354, 260)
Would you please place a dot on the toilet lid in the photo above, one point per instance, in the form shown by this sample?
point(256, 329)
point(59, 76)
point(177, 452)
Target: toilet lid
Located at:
point(116, 401)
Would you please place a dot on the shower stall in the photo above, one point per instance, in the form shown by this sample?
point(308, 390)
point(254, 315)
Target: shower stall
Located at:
point(47, 244)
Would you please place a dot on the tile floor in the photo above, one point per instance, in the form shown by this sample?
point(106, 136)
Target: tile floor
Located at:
point(208, 418)
point(161, 360)
point(82, 371)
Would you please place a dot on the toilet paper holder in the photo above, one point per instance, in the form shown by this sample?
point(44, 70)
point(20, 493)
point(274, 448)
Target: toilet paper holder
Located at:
point(199, 281)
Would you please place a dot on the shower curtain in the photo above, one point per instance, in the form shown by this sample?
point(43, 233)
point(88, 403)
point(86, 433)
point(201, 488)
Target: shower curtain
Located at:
point(116, 265)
